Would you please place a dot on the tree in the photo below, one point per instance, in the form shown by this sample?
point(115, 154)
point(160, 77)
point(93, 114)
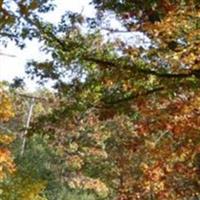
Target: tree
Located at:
point(7, 165)
point(126, 126)
point(156, 89)
point(13, 184)
point(15, 18)
point(33, 175)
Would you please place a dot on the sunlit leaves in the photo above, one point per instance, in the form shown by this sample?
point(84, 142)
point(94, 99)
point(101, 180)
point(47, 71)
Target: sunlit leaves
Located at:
point(179, 44)
point(86, 183)
point(74, 162)
point(6, 110)
point(7, 165)
point(21, 187)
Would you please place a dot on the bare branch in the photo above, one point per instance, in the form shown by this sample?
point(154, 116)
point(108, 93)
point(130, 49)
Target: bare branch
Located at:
point(30, 96)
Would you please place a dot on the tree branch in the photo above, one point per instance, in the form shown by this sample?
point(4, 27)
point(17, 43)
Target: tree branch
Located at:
point(135, 68)
point(134, 96)
point(31, 97)
point(4, 34)
point(5, 129)
point(115, 30)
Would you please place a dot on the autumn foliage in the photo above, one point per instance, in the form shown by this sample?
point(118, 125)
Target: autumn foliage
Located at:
point(125, 123)
point(7, 165)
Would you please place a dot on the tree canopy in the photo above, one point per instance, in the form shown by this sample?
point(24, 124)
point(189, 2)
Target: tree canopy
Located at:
point(123, 122)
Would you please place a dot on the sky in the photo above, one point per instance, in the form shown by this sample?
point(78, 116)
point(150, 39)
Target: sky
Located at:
point(11, 67)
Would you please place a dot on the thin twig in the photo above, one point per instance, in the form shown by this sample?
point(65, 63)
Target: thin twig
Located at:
point(160, 137)
point(5, 129)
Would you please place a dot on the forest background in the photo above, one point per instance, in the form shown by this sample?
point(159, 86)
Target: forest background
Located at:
point(122, 122)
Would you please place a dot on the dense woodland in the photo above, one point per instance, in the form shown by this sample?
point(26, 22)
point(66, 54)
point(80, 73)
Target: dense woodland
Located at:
point(123, 120)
